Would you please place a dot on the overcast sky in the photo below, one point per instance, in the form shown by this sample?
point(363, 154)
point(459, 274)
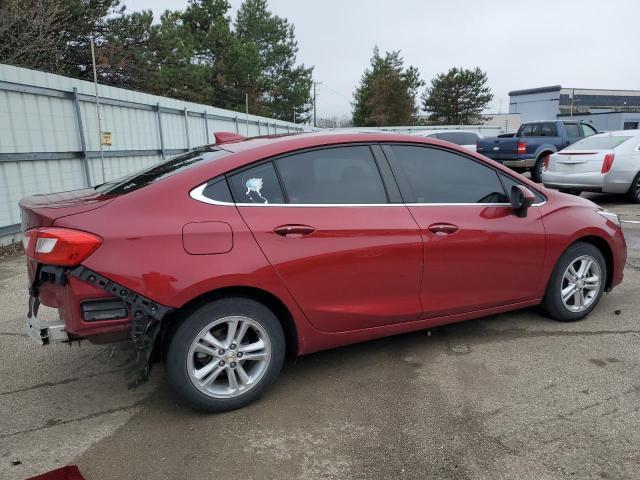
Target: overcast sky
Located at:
point(520, 44)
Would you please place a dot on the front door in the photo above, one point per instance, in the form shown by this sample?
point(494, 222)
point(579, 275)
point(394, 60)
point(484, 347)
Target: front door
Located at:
point(350, 258)
point(477, 253)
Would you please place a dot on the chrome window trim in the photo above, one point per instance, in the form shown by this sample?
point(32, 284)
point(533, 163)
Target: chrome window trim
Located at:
point(197, 194)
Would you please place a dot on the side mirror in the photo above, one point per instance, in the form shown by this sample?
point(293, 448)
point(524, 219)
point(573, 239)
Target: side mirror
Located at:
point(521, 199)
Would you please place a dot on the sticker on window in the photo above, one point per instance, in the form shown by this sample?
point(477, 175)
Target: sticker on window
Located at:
point(254, 186)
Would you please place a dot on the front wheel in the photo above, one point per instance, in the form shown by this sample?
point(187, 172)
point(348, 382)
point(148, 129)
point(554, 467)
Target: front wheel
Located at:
point(225, 354)
point(576, 284)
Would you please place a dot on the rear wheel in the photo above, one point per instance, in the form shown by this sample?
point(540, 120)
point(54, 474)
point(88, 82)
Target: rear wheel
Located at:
point(225, 354)
point(633, 194)
point(536, 171)
point(576, 284)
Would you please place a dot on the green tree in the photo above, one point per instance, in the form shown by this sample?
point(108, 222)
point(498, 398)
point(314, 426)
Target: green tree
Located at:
point(387, 92)
point(277, 86)
point(457, 97)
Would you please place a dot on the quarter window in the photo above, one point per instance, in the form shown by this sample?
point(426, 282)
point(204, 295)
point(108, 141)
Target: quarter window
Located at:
point(257, 185)
point(588, 130)
point(440, 176)
point(341, 175)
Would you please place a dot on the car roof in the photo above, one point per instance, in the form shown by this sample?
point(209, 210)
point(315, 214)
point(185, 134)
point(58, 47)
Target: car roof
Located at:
point(619, 133)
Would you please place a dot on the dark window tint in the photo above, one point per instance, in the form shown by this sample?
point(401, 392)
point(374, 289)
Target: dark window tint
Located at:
point(439, 176)
point(257, 185)
point(572, 130)
point(530, 130)
point(218, 190)
point(459, 138)
point(548, 130)
point(630, 125)
point(589, 130)
point(343, 175)
point(162, 170)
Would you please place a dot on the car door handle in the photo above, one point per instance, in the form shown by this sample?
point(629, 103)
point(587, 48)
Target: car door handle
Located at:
point(294, 230)
point(443, 228)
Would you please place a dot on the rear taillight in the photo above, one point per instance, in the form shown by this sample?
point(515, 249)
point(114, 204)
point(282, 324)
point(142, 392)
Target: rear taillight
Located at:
point(522, 148)
point(59, 246)
point(607, 163)
point(545, 162)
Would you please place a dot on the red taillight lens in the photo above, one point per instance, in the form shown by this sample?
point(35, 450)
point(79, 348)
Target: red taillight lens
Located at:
point(545, 162)
point(59, 246)
point(607, 163)
point(522, 148)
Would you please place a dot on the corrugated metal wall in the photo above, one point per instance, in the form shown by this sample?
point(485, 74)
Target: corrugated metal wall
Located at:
point(49, 137)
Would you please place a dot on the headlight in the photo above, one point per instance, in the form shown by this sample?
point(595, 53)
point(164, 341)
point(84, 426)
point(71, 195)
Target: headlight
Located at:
point(610, 215)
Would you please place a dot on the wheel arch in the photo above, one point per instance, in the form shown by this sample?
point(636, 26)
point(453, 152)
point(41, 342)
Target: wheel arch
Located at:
point(271, 301)
point(546, 150)
point(604, 247)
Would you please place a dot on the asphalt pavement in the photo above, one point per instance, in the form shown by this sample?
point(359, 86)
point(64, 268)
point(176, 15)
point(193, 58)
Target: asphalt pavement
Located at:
point(509, 396)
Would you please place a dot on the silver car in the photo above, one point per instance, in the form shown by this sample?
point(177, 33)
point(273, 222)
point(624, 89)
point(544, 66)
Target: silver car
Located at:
point(607, 162)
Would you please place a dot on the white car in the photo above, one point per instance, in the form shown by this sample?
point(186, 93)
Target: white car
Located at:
point(464, 138)
point(607, 162)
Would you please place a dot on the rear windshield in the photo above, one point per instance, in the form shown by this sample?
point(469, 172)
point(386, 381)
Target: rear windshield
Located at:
point(605, 142)
point(162, 170)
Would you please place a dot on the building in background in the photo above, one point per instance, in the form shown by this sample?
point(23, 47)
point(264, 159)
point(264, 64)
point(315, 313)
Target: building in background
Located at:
point(605, 109)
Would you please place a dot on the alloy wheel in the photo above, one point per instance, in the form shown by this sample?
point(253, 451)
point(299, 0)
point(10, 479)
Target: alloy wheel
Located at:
point(581, 283)
point(229, 357)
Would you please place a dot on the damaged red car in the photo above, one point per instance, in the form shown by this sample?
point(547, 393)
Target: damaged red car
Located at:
point(221, 261)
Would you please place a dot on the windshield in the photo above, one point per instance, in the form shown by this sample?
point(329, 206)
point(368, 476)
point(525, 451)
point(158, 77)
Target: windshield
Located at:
point(597, 142)
point(162, 170)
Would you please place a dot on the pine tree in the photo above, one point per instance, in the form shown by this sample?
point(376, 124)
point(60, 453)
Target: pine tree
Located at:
point(387, 92)
point(457, 97)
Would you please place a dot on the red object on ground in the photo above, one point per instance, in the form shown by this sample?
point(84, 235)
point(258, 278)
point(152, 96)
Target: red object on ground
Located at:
point(70, 472)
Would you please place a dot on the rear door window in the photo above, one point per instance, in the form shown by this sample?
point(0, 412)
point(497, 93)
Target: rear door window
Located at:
point(257, 185)
point(440, 176)
point(341, 175)
point(572, 130)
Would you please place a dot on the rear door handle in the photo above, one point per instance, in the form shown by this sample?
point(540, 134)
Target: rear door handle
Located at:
point(443, 228)
point(294, 230)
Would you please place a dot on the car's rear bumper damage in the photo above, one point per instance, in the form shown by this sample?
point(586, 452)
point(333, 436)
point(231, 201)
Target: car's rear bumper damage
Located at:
point(143, 315)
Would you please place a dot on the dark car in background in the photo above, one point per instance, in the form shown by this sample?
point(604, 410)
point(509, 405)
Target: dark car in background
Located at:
point(532, 143)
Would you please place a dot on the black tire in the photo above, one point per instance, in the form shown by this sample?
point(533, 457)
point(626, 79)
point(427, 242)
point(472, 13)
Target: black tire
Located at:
point(570, 192)
point(633, 195)
point(552, 303)
point(536, 171)
point(177, 357)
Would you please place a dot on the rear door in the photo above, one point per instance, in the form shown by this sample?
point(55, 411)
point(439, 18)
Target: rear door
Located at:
point(338, 235)
point(477, 253)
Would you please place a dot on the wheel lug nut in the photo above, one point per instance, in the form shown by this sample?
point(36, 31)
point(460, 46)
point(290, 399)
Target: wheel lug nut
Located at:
point(232, 346)
point(221, 352)
point(221, 363)
point(233, 364)
point(239, 355)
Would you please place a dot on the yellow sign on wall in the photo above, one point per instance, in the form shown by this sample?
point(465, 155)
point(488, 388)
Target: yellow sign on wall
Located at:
point(106, 139)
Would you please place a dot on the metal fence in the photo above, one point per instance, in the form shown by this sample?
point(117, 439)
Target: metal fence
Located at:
point(49, 137)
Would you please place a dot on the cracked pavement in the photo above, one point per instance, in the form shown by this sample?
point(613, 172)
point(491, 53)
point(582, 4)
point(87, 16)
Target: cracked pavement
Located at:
point(509, 396)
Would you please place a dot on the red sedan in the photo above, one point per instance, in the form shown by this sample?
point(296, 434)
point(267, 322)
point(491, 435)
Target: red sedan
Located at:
point(222, 260)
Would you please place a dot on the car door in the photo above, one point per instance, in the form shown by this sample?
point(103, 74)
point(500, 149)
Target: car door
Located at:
point(477, 253)
point(327, 222)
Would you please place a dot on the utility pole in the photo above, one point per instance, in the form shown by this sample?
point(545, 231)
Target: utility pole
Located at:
point(294, 115)
point(95, 82)
point(314, 102)
point(246, 104)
